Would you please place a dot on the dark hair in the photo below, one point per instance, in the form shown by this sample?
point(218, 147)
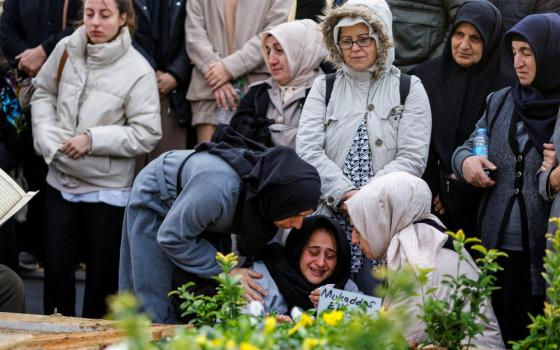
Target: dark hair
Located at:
point(123, 6)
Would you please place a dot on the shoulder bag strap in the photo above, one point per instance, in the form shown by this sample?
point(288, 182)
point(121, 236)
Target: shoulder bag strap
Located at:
point(65, 14)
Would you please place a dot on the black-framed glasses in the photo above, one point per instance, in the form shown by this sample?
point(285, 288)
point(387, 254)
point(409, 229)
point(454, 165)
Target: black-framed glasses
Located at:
point(347, 44)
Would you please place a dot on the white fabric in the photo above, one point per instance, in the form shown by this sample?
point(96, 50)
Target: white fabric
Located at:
point(117, 198)
point(303, 46)
point(384, 212)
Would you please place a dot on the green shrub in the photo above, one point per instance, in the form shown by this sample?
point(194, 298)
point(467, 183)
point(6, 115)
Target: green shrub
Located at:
point(545, 329)
point(453, 323)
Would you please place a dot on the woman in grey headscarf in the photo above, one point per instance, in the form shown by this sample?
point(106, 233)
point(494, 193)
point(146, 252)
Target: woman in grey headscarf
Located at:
point(405, 233)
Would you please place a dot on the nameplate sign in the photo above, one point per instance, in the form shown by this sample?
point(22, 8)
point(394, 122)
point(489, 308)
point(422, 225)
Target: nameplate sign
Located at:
point(334, 299)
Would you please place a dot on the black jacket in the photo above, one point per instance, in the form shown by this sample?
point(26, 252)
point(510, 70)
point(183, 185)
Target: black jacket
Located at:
point(27, 23)
point(250, 119)
point(515, 10)
point(162, 43)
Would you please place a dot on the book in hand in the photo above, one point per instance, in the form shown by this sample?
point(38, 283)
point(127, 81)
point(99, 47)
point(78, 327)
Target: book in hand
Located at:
point(12, 197)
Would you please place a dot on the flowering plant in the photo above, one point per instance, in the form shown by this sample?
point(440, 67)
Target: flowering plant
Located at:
point(454, 322)
point(233, 329)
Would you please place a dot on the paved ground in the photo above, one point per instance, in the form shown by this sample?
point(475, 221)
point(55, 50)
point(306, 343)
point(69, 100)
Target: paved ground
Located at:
point(33, 281)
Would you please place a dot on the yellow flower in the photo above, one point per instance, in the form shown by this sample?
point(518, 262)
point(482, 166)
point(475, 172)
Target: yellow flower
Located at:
point(230, 344)
point(200, 340)
point(311, 343)
point(304, 321)
point(247, 346)
point(218, 342)
point(382, 311)
point(269, 324)
point(333, 318)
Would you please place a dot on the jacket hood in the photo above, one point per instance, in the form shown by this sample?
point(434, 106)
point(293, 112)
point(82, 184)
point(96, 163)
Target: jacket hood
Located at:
point(378, 15)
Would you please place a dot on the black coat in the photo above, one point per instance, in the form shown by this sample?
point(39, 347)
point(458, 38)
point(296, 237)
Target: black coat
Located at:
point(515, 10)
point(162, 43)
point(26, 24)
point(311, 9)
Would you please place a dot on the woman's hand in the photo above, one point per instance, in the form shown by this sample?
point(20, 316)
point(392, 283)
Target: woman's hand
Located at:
point(314, 297)
point(284, 318)
point(438, 205)
point(31, 60)
point(473, 171)
point(343, 208)
point(549, 155)
point(253, 291)
point(217, 75)
point(76, 147)
point(226, 97)
point(554, 180)
point(165, 82)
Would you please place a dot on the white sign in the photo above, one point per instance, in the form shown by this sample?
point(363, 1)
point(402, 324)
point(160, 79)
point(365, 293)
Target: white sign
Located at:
point(333, 299)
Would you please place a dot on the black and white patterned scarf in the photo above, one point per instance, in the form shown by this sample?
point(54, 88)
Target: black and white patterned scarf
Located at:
point(357, 168)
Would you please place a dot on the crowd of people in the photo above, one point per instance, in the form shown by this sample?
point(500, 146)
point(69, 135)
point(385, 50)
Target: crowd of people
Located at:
point(317, 139)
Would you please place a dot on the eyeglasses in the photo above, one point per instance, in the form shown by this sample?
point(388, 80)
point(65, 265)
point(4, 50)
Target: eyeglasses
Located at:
point(347, 44)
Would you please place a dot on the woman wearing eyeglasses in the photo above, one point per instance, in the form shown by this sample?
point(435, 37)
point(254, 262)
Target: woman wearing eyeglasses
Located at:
point(362, 131)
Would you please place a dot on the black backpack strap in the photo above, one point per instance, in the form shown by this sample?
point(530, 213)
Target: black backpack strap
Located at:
point(404, 87)
point(449, 242)
point(329, 80)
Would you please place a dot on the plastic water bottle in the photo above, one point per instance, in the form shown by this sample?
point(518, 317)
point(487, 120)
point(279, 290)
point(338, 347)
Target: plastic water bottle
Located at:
point(225, 113)
point(480, 147)
point(480, 143)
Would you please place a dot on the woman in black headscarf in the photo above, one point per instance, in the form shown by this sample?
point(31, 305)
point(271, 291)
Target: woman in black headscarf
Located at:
point(184, 205)
point(315, 255)
point(519, 120)
point(457, 84)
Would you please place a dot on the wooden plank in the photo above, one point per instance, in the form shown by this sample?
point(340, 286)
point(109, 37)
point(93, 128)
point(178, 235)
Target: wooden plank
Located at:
point(65, 333)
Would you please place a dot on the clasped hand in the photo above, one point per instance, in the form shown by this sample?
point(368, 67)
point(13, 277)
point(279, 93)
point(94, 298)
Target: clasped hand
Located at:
point(76, 147)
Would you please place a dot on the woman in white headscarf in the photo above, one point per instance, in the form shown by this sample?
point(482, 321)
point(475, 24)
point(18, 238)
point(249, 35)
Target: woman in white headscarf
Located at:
point(270, 111)
point(405, 233)
point(368, 125)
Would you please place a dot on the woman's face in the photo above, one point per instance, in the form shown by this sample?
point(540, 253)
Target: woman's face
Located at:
point(358, 239)
point(102, 20)
point(318, 258)
point(466, 45)
point(293, 221)
point(277, 61)
point(524, 62)
point(355, 56)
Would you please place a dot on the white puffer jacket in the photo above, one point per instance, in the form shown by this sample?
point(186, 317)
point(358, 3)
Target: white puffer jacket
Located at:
point(399, 136)
point(107, 89)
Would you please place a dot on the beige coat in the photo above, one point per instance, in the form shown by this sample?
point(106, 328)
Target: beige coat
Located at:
point(206, 41)
point(107, 89)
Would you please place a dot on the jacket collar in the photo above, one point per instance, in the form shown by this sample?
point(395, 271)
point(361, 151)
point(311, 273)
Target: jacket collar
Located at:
point(79, 50)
